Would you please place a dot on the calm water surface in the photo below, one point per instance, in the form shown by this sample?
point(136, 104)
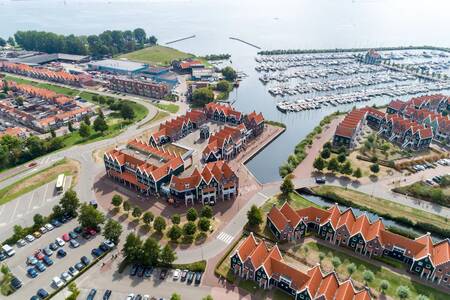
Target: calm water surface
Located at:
point(268, 24)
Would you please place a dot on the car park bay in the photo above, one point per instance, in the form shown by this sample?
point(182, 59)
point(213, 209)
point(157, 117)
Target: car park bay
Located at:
point(19, 267)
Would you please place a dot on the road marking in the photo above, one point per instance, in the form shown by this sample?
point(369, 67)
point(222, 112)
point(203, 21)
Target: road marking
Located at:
point(262, 195)
point(225, 237)
point(14, 212)
point(31, 200)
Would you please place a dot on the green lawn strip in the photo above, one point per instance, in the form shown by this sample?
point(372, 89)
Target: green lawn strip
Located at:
point(436, 194)
point(48, 86)
point(383, 207)
point(381, 273)
point(198, 266)
point(170, 107)
point(5, 197)
point(160, 115)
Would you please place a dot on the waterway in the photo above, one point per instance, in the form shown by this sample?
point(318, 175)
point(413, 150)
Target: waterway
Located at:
point(284, 24)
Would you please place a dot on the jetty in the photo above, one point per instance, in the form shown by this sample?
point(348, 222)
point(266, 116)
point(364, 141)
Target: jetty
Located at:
point(181, 39)
point(242, 41)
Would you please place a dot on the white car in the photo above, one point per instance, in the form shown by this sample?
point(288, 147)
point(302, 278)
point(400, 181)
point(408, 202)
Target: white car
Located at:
point(43, 229)
point(49, 227)
point(60, 242)
point(57, 282)
point(146, 297)
point(29, 238)
point(66, 276)
point(130, 296)
point(21, 243)
point(176, 274)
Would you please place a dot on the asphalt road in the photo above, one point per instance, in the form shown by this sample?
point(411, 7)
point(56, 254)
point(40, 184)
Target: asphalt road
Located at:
point(18, 266)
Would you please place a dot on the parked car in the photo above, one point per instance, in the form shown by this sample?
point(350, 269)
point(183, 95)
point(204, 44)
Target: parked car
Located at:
point(39, 255)
point(3, 255)
point(32, 260)
point(130, 296)
point(85, 260)
point(48, 261)
point(61, 253)
point(43, 230)
point(107, 294)
point(183, 275)
point(57, 282)
point(109, 244)
point(198, 277)
point(163, 274)
point(86, 235)
point(49, 227)
point(53, 246)
point(138, 297)
point(91, 231)
point(29, 238)
point(321, 180)
point(37, 234)
point(16, 283)
point(21, 243)
point(66, 237)
point(190, 277)
point(32, 272)
point(43, 294)
point(74, 244)
point(79, 266)
point(133, 270)
point(78, 229)
point(47, 251)
point(91, 294)
point(176, 274)
point(55, 223)
point(140, 271)
point(148, 271)
point(96, 252)
point(73, 271)
point(40, 266)
point(60, 242)
point(66, 276)
point(73, 235)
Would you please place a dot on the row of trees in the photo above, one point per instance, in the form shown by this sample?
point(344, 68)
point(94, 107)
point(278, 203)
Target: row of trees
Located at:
point(148, 252)
point(108, 43)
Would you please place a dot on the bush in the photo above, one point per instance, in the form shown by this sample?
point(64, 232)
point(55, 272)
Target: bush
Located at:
point(176, 219)
point(336, 262)
point(206, 212)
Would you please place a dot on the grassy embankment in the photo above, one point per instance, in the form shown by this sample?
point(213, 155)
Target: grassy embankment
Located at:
point(170, 107)
point(437, 194)
point(385, 208)
point(115, 122)
point(159, 55)
point(37, 179)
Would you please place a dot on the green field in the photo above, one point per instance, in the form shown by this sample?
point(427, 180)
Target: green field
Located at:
point(170, 107)
point(157, 55)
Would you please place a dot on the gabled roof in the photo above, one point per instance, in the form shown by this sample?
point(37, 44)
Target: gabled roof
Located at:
point(247, 247)
point(258, 118)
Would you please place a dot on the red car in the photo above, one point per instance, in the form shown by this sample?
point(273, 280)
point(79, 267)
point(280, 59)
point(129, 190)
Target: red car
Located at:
point(66, 237)
point(39, 255)
point(91, 231)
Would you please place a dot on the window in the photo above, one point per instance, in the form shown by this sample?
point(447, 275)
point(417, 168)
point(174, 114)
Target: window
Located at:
point(417, 269)
point(353, 244)
point(445, 279)
point(428, 266)
point(375, 253)
point(420, 263)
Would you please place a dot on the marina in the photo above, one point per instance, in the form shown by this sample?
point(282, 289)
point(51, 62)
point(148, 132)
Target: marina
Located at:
point(301, 82)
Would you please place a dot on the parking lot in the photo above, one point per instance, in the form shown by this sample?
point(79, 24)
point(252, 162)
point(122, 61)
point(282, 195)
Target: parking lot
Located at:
point(18, 263)
point(22, 209)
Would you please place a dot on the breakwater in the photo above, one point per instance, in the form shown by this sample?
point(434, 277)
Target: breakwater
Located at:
point(337, 50)
point(181, 39)
point(242, 41)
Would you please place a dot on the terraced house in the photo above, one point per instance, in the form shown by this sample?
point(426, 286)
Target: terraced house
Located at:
point(226, 143)
point(426, 259)
point(257, 261)
point(223, 113)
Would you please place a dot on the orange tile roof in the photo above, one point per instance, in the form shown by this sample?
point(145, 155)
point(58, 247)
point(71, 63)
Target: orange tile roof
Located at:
point(247, 247)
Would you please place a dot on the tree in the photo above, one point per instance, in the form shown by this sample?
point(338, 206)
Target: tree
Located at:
point(126, 206)
point(321, 256)
point(70, 126)
point(2, 42)
point(100, 124)
point(368, 276)
point(57, 212)
point(84, 131)
point(126, 111)
point(384, 286)
point(204, 224)
point(341, 157)
point(52, 133)
point(403, 292)
point(346, 168)
point(159, 224)
point(254, 216)
point(422, 297)
point(327, 145)
point(333, 165)
point(137, 212)
point(357, 173)
point(202, 96)
point(90, 217)
point(189, 228)
point(140, 35)
point(19, 232)
point(319, 163)
point(223, 86)
point(176, 219)
point(229, 73)
point(148, 218)
point(75, 292)
point(325, 154)
point(112, 231)
point(174, 233)
point(152, 252)
point(175, 296)
point(168, 256)
point(87, 120)
point(11, 41)
point(287, 187)
point(206, 212)
point(336, 262)
point(192, 214)
point(70, 203)
point(375, 168)
point(132, 249)
point(116, 201)
point(351, 268)
point(38, 220)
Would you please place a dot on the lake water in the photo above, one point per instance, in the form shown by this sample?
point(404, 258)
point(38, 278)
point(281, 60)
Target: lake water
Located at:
point(281, 24)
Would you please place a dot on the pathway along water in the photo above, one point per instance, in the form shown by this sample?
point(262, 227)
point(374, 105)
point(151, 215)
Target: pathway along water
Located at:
point(372, 217)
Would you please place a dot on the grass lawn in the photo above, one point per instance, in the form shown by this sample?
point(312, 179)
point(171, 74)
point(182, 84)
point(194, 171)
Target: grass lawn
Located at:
point(170, 107)
point(157, 55)
point(436, 194)
point(381, 273)
point(35, 180)
point(160, 115)
point(384, 207)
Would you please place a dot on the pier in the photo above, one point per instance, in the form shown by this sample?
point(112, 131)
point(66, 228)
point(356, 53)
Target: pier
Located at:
point(181, 39)
point(242, 41)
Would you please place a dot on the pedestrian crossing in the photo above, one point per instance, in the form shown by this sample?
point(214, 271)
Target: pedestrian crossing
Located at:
point(225, 237)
